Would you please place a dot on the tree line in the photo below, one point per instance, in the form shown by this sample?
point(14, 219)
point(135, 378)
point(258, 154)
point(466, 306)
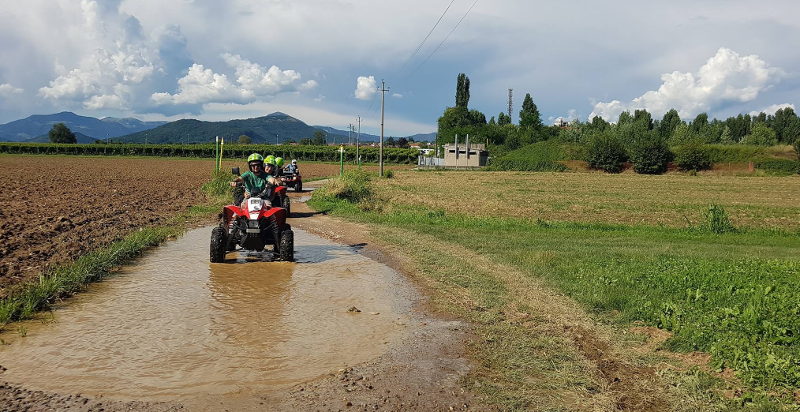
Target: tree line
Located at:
point(783, 127)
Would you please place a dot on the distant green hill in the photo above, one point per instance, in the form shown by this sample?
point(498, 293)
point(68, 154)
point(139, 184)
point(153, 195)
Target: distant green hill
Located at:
point(82, 138)
point(264, 129)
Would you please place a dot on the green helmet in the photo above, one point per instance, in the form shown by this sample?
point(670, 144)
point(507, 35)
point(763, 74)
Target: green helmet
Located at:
point(279, 161)
point(270, 160)
point(255, 157)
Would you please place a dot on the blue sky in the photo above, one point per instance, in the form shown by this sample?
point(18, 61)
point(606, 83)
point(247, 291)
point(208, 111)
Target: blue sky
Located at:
point(212, 60)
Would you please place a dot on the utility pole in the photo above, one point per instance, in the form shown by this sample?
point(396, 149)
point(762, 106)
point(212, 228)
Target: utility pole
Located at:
point(349, 134)
point(509, 103)
point(380, 151)
point(276, 139)
point(358, 138)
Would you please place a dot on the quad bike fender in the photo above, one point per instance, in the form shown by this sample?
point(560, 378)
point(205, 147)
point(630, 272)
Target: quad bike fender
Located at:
point(231, 212)
point(277, 213)
point(280, 191)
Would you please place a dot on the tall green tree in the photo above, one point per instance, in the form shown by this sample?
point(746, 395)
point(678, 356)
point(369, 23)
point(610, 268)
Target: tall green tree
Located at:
point(462, 91)
point(727, 136)
point(668, 123)
point(739, 126)
point(624, 118)
point(761, 135)
point(598, 124)
point(529, 116)
point(783, 122)
point(699, 123)
point(644, 117)
point(60, 133)
point(245, 139)
point(503, 118)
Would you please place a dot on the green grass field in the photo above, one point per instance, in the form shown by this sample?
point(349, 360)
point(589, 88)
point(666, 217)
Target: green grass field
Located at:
point(631, 250)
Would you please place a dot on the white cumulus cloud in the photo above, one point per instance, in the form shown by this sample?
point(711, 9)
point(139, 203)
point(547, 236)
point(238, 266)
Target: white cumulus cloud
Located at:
point(366, 87)
point(253, 81)
point(201, 85)
point(726, 77)
point(120, 59)
point(7, 90)
point(101, 75)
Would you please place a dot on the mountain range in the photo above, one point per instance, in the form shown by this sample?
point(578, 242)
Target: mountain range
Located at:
point(276, 127)
point(33, 127)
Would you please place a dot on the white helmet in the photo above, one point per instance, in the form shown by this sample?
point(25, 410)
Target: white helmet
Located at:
point(294, 161)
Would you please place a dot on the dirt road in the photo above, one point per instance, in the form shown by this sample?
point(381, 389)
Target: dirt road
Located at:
point(421, 370)
point(54, 209)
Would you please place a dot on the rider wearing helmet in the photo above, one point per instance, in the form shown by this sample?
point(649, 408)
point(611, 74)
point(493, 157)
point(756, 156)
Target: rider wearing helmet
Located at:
point(257, 180)
point(278, 166)
point(292, 167)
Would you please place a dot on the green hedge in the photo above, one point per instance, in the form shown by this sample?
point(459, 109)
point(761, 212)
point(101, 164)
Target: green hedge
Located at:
point(736, 153)
point(779, 166)
point(537, 157)
point(231, 151)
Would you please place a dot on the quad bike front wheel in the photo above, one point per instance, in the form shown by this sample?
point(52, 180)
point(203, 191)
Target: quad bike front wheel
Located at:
point(218, 240)
point(286, 246)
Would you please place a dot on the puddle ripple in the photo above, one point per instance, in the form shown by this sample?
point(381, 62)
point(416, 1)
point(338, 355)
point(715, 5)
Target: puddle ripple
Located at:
point(173, 325)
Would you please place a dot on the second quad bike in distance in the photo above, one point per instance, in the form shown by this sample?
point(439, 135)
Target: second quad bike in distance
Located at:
point(293, 180)
point(253, 227)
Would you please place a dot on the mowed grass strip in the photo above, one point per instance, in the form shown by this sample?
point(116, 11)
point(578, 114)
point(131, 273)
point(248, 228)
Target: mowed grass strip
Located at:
point(671, 200)
point(734, 295)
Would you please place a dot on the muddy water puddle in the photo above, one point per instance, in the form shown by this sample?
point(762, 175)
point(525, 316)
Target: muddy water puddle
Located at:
point(173, 325)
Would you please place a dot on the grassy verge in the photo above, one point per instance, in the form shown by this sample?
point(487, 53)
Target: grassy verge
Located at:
point(733, 295)
point(24, 301)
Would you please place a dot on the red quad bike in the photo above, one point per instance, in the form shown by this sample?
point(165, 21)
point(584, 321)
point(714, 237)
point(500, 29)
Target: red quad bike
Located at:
point(277, 197)
point(252, 228)
point(293, 180)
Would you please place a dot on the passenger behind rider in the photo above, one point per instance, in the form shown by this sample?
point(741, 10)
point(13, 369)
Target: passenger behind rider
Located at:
point(278, 166)
point(258, 179)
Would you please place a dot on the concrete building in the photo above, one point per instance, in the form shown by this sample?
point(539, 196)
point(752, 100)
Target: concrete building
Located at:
point(462, 155)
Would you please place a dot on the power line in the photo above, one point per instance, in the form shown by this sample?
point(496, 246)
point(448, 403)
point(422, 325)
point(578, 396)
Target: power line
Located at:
point(446, 37)
point(427, 36)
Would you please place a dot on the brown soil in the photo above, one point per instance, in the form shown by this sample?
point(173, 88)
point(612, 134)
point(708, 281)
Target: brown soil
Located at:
point(55, 209)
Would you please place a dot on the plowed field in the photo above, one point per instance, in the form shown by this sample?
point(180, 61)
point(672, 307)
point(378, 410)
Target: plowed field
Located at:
point(56, 208)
